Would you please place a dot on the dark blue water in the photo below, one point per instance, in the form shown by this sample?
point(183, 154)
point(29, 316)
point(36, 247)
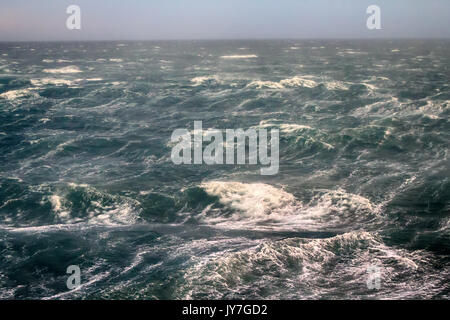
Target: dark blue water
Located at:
point(86, 177)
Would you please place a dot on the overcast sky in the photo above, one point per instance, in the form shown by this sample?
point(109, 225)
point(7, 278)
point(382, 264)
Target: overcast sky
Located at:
point(221, 19)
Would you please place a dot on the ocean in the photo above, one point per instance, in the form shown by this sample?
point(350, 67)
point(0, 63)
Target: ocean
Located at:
point(87, 180)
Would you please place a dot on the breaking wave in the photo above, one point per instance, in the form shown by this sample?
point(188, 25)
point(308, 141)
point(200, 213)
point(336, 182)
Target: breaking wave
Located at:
point(82, 203)
point(260, 206)
point(197, 81)
point(242, 56)
point(68, 69)
point(297, 81)
point(299, 268)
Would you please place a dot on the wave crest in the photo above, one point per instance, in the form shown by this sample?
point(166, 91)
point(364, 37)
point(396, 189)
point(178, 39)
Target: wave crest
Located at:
point(260, 206)
point(303, 268)
point(68, 69)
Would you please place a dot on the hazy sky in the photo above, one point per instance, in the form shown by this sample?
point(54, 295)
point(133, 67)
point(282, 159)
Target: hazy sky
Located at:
point(222, 19)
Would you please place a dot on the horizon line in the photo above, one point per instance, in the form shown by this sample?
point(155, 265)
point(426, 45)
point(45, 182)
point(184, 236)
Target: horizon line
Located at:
point(228, 39)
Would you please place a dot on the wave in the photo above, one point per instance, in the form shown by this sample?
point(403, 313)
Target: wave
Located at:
point(309, 268)
point(285, 83)
point(260, 206)
point(258, 84)
point(57, 61)
point(83, 203)
point(14, 94)
point(300, 82)
point(197, 81)
point(60, 82)
point(304, 136)
point(284, 127)
point(237, 56)
point(68, 69)
point(252, 200)
point(336, 85)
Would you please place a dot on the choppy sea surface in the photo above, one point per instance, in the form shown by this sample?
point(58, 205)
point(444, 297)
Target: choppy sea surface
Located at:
point(86, 176)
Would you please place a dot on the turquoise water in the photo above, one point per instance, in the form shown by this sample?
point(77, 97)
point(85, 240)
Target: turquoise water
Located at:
point(86, 176)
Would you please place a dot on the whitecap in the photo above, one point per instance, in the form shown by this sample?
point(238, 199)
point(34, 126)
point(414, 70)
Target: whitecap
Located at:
point(237, 56)
point(14, 94)
point(204, 79)
point(60, 82)
point(102, 208)
point(260, 206)
point(265, 84)
point(298, 82)
point(297, 268)
point(285, 83)
point(336, 85)
point(54, 81)
point(284, 127)
point(68, 69)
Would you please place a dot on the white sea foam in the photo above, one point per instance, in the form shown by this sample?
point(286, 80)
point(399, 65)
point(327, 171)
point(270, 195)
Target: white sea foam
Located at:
point(68, 69)
point(252, 200)
point(298, 82)
point(336, 85)
point(290, 127)
point(204, 79)
point(14, 94)
point(296, 130)
point(350, 52)
point(284, 127)
point(261, 206)
point(56, 202)
point(299, 267)
point(371, 87)
point(242, 56)
point(337, 207)
point(60, 82)
point(265, 84)
point(103, 208)
point(285, 83)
